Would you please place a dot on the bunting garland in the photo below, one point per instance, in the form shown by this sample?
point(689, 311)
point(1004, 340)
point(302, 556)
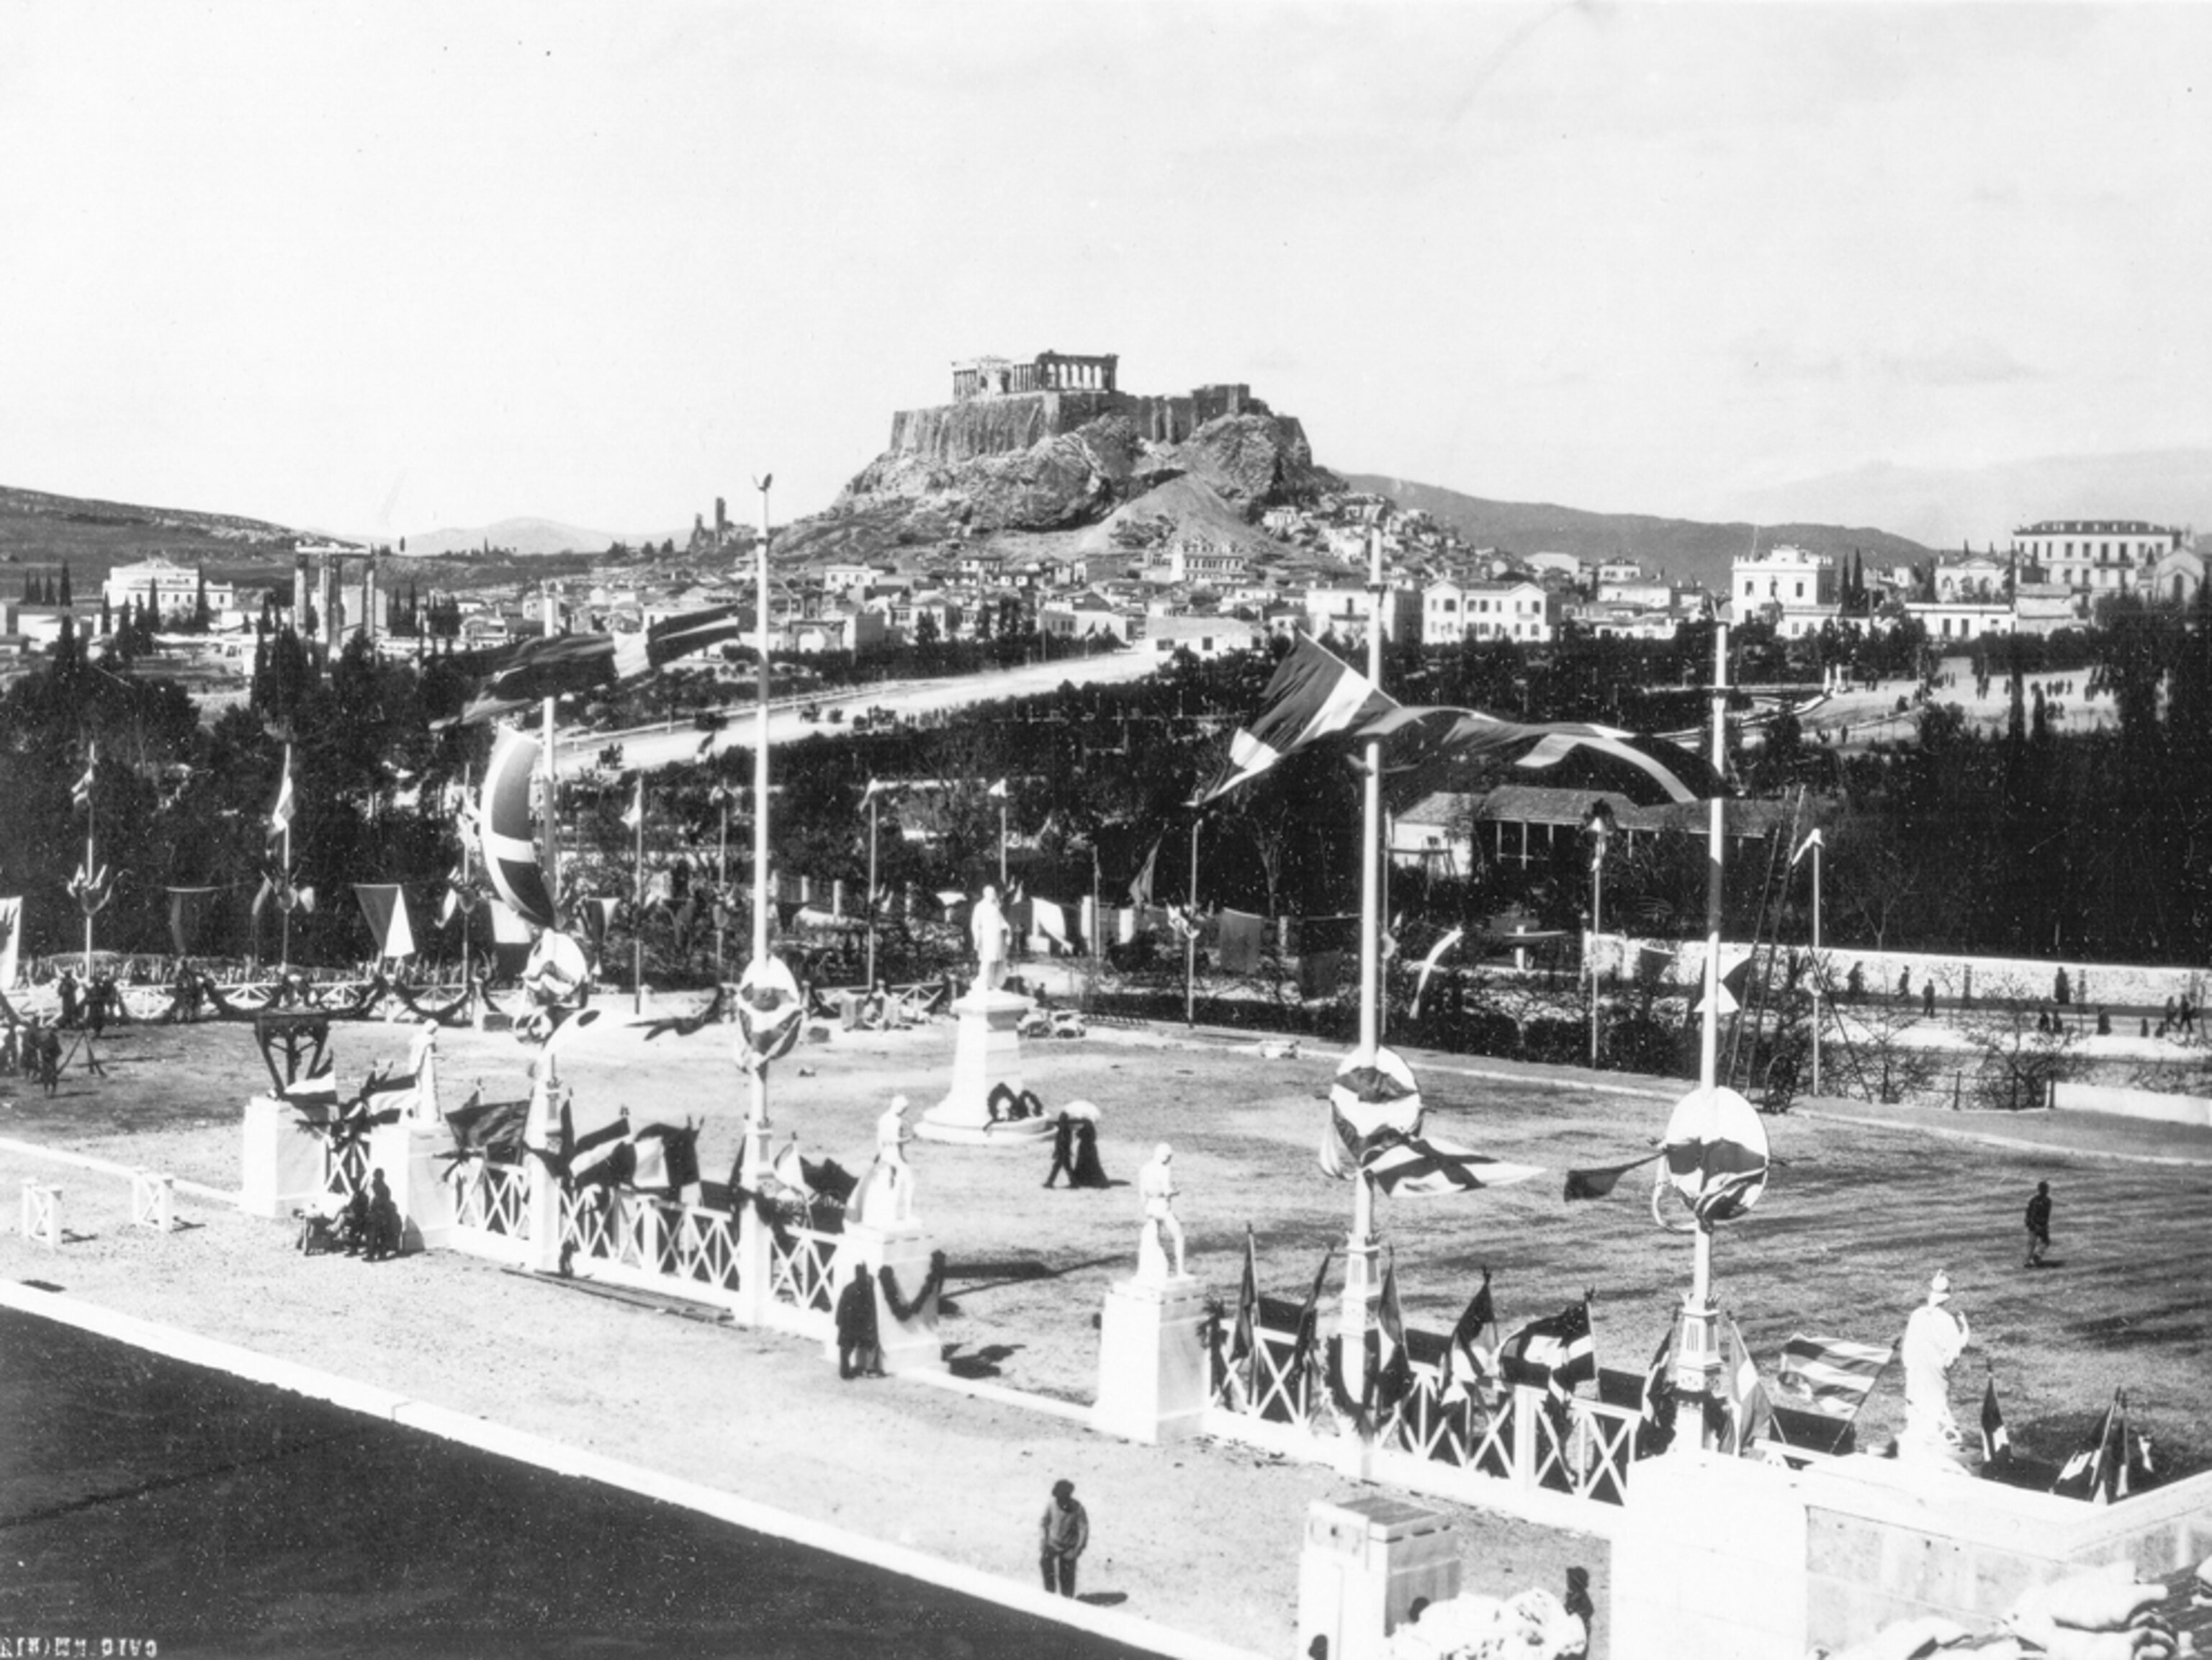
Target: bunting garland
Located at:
point(903, 1309)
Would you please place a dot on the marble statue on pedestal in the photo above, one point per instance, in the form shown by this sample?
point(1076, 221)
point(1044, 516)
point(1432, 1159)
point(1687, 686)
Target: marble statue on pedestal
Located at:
point(1156, 1187)
point(1934, 1336)
point(987, 925)
point(885, 1194)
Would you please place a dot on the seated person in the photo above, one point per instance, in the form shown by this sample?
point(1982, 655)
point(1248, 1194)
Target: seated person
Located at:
point(384, 1225)
point(876, 1008)
point(353, 1222)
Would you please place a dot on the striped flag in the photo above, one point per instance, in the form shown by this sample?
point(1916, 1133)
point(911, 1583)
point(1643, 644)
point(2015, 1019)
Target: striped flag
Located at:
point(1598, 1181)
point(1393, 1366)
point(1555, 1352)
point(2111, 1464)
point(634, 815)
point(1313, 695)
point(1831, 1376)
point(1750, 1412)
point(1655, 1416)
point(1430, 745)
point(664, 1159)
point(1399, 1163)
point(672, 637)
point(81, 793)
point(1996, 1440)
point(1470, 1369)
point(1244, 1341)
point(1306, 1341)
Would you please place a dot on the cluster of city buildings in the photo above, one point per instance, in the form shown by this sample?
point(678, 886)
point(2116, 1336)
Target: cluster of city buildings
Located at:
point(1167, 588)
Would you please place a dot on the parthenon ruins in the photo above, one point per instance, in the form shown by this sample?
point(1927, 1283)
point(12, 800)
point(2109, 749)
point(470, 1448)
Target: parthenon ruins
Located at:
point(1049, 372)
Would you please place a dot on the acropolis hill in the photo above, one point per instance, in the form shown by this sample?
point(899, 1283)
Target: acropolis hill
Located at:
point(999, 406)
point(1053, 442)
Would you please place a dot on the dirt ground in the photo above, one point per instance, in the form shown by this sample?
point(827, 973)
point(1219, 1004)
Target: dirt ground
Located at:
point(1200, 1536)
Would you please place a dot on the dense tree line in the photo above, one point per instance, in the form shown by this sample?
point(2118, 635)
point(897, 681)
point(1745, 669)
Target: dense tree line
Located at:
point(2030, 841)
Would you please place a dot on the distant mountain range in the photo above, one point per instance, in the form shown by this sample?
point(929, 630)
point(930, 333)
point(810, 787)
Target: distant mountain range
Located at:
point(525, 536)
point(1947, 507)
point(1686, 549)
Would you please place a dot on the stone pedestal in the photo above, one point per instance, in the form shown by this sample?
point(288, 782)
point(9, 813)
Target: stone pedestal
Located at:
point(1153, 1381)
point(282, 1168)
point(407, 1154)
point(987, 1059)
point(902, 1247)
point(1364, 1563)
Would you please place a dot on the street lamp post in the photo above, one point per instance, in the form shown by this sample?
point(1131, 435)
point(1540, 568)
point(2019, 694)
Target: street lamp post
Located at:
point(1598, 825)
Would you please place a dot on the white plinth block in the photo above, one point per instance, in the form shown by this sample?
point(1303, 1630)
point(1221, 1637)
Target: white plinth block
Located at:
point(1153, 1376)
point(1364, 1563)
point(283, 1167)
point(987, 1062)
point(407, 1154)
point(903, 1247)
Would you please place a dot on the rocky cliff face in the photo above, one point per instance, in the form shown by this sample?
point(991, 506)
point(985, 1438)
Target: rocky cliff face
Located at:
point(1060, 460)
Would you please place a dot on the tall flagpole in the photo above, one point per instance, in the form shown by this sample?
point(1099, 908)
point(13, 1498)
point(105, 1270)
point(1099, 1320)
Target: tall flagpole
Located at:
point(637, 907)
point(548, 825)
point(753, 1240)
point(870, 990)
point(1360, 1248)
point(1697, 1352)
point(1190, 936)
point(291, 896)
point(1817, 972)
point(91, 870)
point(721, 883)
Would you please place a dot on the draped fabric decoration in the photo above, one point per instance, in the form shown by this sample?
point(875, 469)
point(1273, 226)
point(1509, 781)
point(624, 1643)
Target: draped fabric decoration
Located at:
point(510, 936)
point(1315, 696)
point(92, 889)
point(1364, 1100)
point(384, 906)
point(546, 668)
point(904, 1309)
point(1716, 1151)
point(769, 1014)
point(186, 906)
point(510, 852)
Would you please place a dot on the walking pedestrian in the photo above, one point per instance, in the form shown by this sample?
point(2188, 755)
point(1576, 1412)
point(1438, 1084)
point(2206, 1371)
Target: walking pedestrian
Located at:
point(2039, 1225)
point(1066, 1533)
point(1063, 1152)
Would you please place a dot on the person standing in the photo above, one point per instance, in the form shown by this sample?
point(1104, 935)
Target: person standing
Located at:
point(1066, 1533)
point(857, 1339)
point(2039, 1225)
point(1063, 1152)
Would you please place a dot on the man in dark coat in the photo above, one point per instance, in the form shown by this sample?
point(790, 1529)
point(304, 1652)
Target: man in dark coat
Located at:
point(857, 1349)
point(2039, 1225)
point(1063, 1152)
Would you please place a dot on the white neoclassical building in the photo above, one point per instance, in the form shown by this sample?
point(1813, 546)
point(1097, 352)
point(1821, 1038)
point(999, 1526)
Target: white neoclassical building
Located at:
point(168, 586)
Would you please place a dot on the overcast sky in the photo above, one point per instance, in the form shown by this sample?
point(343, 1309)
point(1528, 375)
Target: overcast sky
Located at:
point(389, 267)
